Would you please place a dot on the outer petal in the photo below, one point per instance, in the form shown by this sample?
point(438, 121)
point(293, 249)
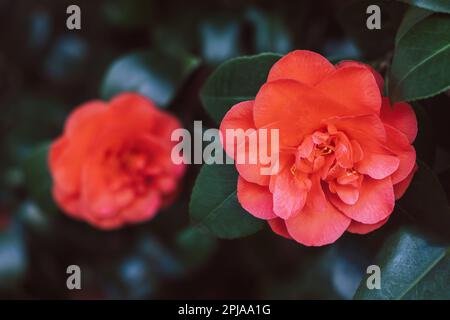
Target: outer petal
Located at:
point(295, 109)
point(376, 75)
point(255, 199)
point(319, 222)
point(401, 187)
point(360, 127)
point(84, 117)
point(289, 194)
point(400, 116)
point(279, 227)
point(378, 166)
point(143, 208)
point(301, 65)
point(376, 201)
point(361, 228)
point(240, 117)
point(398, 143)
point(68, 202)
point(132, 113)
point(353, 86)
point(68, 153)
point(348, 194)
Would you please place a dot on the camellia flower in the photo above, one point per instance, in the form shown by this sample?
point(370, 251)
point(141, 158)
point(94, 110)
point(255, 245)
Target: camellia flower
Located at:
point(112, 165)
point(345, 153)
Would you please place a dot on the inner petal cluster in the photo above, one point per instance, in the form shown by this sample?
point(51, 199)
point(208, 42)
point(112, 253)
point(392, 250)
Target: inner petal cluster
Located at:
point(332, 155)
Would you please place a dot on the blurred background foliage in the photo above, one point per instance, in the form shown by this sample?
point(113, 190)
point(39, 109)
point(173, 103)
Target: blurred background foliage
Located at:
point(166, 50)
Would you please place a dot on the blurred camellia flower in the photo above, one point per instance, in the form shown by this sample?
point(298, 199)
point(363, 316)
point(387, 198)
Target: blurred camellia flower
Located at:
point(345, 152)
point(112, 165)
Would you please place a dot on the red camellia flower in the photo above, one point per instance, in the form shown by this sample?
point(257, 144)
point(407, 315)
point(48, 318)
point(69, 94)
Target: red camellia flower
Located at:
point(112, 165)
point(345, 152)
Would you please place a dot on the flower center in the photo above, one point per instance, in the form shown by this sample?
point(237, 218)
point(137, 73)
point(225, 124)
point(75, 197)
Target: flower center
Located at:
point(293, 169)
point(324, 150)
point(134, 162)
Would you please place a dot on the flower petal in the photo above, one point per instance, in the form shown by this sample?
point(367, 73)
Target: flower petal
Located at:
point(68, 153)
point(96, 197)
point(319, 222)
point(240, 119)
point(377, 166)
point(142, 208)
point(84, 117)
point(400, 116)
point(378, 78)
point(279, 227)
point(353, 86)
point(375, 203)
point(301, 65)
point(399, 144)
point(401, 187)
point(348, 194)
point(289, 194)
point(295, 109)
point(362, 228)
point(358, 127)
point(68, 202)
point(255, 199)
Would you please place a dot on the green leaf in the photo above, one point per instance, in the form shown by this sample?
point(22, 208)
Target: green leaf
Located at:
point(214, 203)
point(426, 201)
point(38, 181)
point(235, 81)
point(195, 246)
point(154, 74)
point(28, 122)
point(412, 267)
point(421, 66)
point(433, 5)
point(413, 16)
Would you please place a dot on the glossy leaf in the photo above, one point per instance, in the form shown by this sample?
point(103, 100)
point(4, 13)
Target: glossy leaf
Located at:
point(433, 5)
point(412, 267)
point(420, 66)
point(426, 201)
point(214, 204)
point(234, 81)
point(28, 122)
point(413, 16)
point(156, 75)
point(195, 246)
